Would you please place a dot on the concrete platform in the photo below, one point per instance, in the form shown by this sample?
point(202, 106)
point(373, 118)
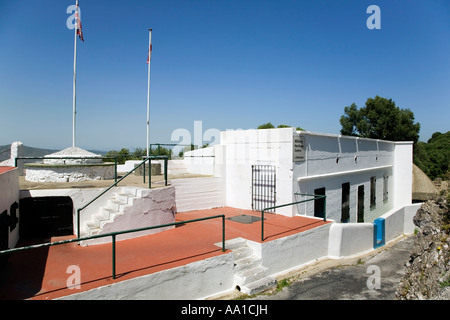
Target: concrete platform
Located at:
point(41, 274)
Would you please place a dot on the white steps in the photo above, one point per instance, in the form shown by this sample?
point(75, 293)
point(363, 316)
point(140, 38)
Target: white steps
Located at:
point(113, 207)
point(250, 276)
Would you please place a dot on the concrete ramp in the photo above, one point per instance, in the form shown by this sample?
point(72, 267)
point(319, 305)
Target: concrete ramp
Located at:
point(198, 193)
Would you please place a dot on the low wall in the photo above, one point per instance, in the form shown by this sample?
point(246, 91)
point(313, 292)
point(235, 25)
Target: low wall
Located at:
point(290, 252)
point(399, 221)
point(157, 167)
point(347, 239)
point(37, 172)
point(197, 280)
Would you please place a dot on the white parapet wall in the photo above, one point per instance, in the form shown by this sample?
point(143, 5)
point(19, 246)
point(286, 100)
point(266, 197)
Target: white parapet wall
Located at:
point(197, 280)
point(290, 252)
point(400, 221)
point(347, 239)
point(36, 172)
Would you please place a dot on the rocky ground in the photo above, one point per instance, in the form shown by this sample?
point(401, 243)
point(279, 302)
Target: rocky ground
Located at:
point(427, 275)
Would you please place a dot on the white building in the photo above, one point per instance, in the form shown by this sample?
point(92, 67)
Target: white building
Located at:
point(361, 178)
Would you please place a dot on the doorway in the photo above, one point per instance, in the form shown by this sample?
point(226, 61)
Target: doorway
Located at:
point(46, 217)
point(361, 203)
point(4, 236)
point(263, 187)
point(319, 204)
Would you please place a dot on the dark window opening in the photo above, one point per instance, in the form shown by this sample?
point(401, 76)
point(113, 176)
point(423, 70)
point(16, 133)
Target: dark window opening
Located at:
point(373, 192)
point(345, 205)
point(360, 203)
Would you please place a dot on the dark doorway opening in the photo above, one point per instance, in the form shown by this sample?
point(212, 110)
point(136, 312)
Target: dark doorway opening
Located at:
point(4, 236)
point(319, 204)
point(46, 217)
point(361, 203)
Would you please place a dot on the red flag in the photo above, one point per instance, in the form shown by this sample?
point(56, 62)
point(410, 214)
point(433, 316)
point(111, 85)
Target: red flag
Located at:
point(78, 24)
point(149, 57)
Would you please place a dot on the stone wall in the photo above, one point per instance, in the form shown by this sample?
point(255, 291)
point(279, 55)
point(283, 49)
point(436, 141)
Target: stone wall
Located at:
point(68, 173)
point(427, 273)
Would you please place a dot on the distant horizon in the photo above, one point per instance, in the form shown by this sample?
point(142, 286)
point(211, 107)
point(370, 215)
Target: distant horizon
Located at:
point(232, 65)
point(132, 149)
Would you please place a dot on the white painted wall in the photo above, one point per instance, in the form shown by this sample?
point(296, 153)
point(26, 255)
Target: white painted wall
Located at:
point(287, 253)
point(244, 148)
point(403, 168)
point(400, 221)
point(330, 161)
point(333, 160)
point(72, 173)
point(347, 239)
point(9, 186)
point(197, 280)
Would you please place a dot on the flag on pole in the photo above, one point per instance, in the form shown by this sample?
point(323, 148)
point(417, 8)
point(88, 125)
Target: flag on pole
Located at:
point(78, 23)
point(149, 57)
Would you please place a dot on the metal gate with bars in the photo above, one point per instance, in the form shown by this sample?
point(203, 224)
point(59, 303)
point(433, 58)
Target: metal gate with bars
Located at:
point(263, 187)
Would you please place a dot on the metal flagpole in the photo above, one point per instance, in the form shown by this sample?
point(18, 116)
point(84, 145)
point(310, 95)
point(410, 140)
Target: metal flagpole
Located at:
point(148, 91)
point(74, 80)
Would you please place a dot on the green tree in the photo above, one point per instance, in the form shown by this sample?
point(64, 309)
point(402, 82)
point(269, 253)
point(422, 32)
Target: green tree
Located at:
point(122, 155)
point(433, 157)
point(380, 119)
point(138, 154)
point(267, 125)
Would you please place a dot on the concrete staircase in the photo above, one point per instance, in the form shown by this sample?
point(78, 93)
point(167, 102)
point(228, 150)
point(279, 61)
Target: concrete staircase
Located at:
point(127, 208)
point(250, 276)
point(120, 199)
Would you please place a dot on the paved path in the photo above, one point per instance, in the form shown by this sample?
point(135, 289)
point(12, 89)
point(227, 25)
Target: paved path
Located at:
point(350, 281)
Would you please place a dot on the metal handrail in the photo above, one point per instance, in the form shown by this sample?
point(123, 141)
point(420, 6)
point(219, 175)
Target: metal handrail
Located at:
point(114, 234)
point(117, 182)
point(316, 196)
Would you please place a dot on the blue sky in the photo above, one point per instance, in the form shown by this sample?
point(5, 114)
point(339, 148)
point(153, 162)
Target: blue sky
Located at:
point(230, 64)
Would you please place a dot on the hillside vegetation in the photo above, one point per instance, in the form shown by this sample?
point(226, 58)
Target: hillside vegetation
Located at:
point(433, 157)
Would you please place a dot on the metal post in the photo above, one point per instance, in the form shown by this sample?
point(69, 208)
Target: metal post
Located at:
point(262, 225)
point(149, 173)
point(115, 169)
point(143, 172)
point(78, 223)
point(223, 233)
point(166, 161)
point(114, 256)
